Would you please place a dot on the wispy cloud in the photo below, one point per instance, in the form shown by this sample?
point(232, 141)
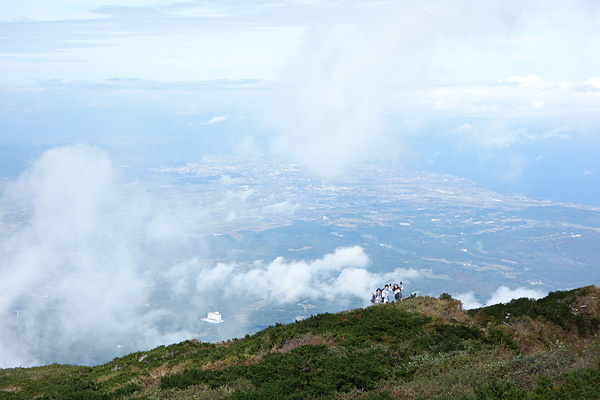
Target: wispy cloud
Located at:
point(345, 84)
point(215, 120)
point(525, 80)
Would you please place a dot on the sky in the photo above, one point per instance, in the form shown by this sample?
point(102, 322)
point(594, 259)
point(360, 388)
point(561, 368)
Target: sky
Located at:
point(504, 93)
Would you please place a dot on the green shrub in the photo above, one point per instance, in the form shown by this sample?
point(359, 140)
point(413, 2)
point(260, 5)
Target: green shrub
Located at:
point(496, 390)
point(578, 385)
point(499, 337)
point(311, 370)
point(556, 308)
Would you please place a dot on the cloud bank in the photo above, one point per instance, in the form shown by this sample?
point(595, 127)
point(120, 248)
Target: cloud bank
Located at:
point(340, 275)
point(346, 83)
point(68, 272)
point(502, 295)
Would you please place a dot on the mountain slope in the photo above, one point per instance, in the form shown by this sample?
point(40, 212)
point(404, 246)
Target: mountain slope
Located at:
point(421, 347)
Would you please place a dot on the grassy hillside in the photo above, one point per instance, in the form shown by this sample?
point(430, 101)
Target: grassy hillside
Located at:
point(420, 348)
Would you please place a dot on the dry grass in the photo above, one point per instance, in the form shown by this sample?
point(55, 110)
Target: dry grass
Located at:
point(442, 311)
point(222, 363)
point(11, 389)
point(166, 369)
point(116, 371)
point(152, 380)
point(307, 339)
point(534, 336)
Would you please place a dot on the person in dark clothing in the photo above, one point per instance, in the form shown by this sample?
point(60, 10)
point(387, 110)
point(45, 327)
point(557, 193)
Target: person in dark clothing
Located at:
point(377, 297)
point(397, 289)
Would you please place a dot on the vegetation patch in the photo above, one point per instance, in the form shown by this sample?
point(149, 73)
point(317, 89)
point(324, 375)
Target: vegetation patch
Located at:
point(418, 348)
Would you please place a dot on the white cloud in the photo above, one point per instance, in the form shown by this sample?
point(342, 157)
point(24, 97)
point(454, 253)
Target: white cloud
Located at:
point(227, 180)
point(593, 83)
point(341, 275)
point(538, 105)
point(504, 294)
point(512, 168)
point(73, 257)
point(345, 83)
point(525, 80)
point(75, 267)
point(281, 208)
point(284, 281)
point(501, 295)
point(468, 300)
point(215, 120)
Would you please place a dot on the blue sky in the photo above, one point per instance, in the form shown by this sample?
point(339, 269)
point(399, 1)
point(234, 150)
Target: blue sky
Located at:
point(505, 93)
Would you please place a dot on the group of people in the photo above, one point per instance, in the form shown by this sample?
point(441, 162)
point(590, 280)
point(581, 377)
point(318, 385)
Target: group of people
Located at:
point(381, 296)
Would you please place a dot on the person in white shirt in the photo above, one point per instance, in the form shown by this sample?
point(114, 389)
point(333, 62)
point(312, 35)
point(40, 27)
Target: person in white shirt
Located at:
point(385, 294)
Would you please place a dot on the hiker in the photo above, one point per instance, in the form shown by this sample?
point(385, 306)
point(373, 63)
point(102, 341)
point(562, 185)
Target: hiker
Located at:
point(376, 298)
point(385, 294)
point(398, 291)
